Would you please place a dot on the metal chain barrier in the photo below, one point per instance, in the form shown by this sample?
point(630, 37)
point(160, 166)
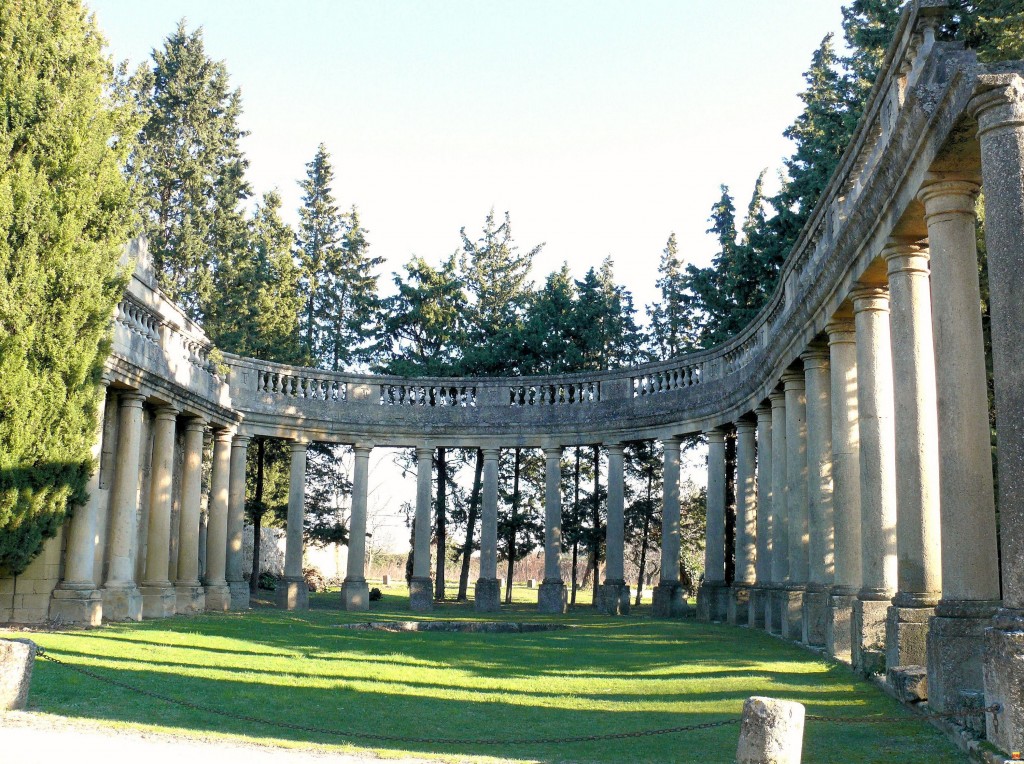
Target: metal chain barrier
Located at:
point(41, 653)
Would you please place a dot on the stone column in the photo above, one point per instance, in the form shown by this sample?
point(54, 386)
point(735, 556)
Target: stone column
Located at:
point(189, 595)
point(615, 593)
point(877, 477)
point(845, 487)
point(421, 587)
point(218, 594)
point(970, 576)
point(820, 561)
point(355, 594)
point(712, 597)
point(763, 562)
point(998, 106)
point(76, 598)
point(796, 503)
point(158, 599)
point(121, 598)
point(487, 598)
point(746, 524)
point(292, 592)
point(778, 600)
point(918, 572)
point(238, 582)
point(551, 596)
point(668, 598)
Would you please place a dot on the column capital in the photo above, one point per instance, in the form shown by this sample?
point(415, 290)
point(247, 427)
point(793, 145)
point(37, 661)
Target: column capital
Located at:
point(553, 452)
point(745, 426)
point(949, 197)
point(998, 102)
point(716, 435)
point(816, 356)
point(241, 441)
point(196, 424)
point(614, 447)
point(672, 444)
point(763, 410)
point(841, 331)
point(491, 452)
point(777, 399)
point(362, 449)
point(130, 399)
point(166, 411)
point(868, 297)
point(793, 379)
point(424, 451)
point(224, 434)
point(298, 446)
point(906, 255)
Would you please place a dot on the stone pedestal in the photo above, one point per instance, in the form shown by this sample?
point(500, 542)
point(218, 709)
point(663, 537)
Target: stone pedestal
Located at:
point(17, 658)
point(667, 601)
point(777, 604)
point(713, 601)
point(1004, 684)
point(218, 597)
point(291, 594)
point(189, 599)
point(487, 595)
point(614, 598)
point(792, 614)
point(551, 597)
point(122, 603)
point(739, 607)
point(814, 617)
point(78, 606)
point(954, 648)
point(906, 634)
point(158, 601)
point(838, 627)
point(421, 594)
point(239, 595)
point(771, 731)
point(355, 595)
point(756, 608)
point(868, 636)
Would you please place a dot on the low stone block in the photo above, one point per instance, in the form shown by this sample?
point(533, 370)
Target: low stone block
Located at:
point(906, 636)
point(290, 594)
point(954, 647)
point(868, 636)
point(738, 605)
point(421, 594)
point(1004, 684)
point(487, 595)
point(773, 611)
point(239, 595)
point(614, 599)
point(189, 600)
point(814, 617)
point(218, 598)
point(667, 601)
point(17, 657)
point(83, 607)
point(908, 683)
point(122, 604)
point(792, 614)
point(839, 627)
point(551, 597)
point(531, 583)
point(772, 732)
point(756, 608)
point(713, 602)
point(385, 580)
point(355, 596)
point(158, 601)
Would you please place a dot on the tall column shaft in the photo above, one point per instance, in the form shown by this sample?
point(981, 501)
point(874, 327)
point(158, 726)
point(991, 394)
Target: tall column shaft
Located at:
point(424, 481)
point(489, 517)
point(158, 544)
point(616, 528)
point(236, 510)
point(796, 476)
point(763, 565)
point(845, 457)
point(877, 444)
point(552, 514)
point(714, 550)
point(292, 593)
point(747, 511)
point(820, 530)
point(191, 498)
point(124, 499)
point(217, 524)
point(670, 513)
point(916, 427)
point(780, 502)
point(356, 571)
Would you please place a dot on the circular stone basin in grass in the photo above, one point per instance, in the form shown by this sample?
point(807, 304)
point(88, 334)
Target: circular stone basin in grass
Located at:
point(475, 627)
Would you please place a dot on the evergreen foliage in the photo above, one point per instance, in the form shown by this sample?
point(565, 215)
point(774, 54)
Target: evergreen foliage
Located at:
point(65, 214)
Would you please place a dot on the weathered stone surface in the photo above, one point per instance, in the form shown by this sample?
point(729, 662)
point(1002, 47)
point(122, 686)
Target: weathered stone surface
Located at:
point(954, 650)
point(290, 594)
point(908, 683)
point(122, 604)
point(772, 732)
point(355, 595)
point(158, 601)
point(713, 601)
point(551, 598)
point(487, 596)
point(814, 617)
point(756, 608)
point(385, 580)
point(77, 607)
point(792, 614)
point(868, 636)
point(614, 599)
point(838, 627)
point(668, 601)
point(17, 657)
point(906, 634)
point(421, 594)
point(239, 593)
point(739, 604)
point(189, 599)
point(1004, 684)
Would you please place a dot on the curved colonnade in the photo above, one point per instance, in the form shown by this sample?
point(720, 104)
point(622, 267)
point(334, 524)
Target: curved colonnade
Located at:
point(866, 516)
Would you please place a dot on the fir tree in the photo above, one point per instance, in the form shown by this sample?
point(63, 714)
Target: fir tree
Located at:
point(65, 214)
point(672, 331)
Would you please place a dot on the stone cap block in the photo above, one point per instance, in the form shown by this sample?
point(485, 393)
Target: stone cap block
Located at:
point(17, 657)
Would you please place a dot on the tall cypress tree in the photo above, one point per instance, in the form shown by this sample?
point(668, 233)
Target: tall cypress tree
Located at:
point(65, 214)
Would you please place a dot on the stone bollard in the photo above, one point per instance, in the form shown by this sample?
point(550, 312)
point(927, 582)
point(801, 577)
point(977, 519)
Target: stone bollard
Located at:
point(385, 580)
point(16, 659)
point(772, 732)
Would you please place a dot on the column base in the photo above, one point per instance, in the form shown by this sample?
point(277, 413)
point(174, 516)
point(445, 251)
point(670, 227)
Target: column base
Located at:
point(867, 635)
point(290, 594)
point(551, 597)
point(355, 595)
point(738, 605)
point(906, 636)
point(1004, 684)
point(122, 603)
point(713, 601)
point(487, 595)
point(838, 627)
point(421, 594)
point(955, 646)
point(239, 594)
point(667, 601)
point(158, 601)
point(814, 617)
point(78, 606)
point(776, 604)
point(614, 598)
point(189, 599)
point(756, 607)
point(218, 598)
point(792, 613)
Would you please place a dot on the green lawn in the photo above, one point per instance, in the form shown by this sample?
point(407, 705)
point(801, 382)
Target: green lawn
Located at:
point(602, 676)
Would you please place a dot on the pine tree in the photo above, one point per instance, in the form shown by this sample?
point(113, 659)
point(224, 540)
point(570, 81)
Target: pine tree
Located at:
point(548, 338)
point(672, 330)
point(868, 26)
point(65, 214)
point(190, 169)
point(604, 323)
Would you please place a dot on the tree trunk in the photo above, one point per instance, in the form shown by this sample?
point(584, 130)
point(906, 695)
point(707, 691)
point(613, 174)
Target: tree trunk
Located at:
point(467, 549)
point(576, 519)
point(643, 540)
point(512, 532)
point(442, 488)
point(410, 561)
point(595, 554)
point(257, 518)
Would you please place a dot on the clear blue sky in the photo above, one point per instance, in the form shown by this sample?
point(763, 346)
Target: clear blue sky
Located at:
point(601, 126)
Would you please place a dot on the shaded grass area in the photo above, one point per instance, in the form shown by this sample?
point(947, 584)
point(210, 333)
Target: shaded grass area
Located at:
point(602, 676)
